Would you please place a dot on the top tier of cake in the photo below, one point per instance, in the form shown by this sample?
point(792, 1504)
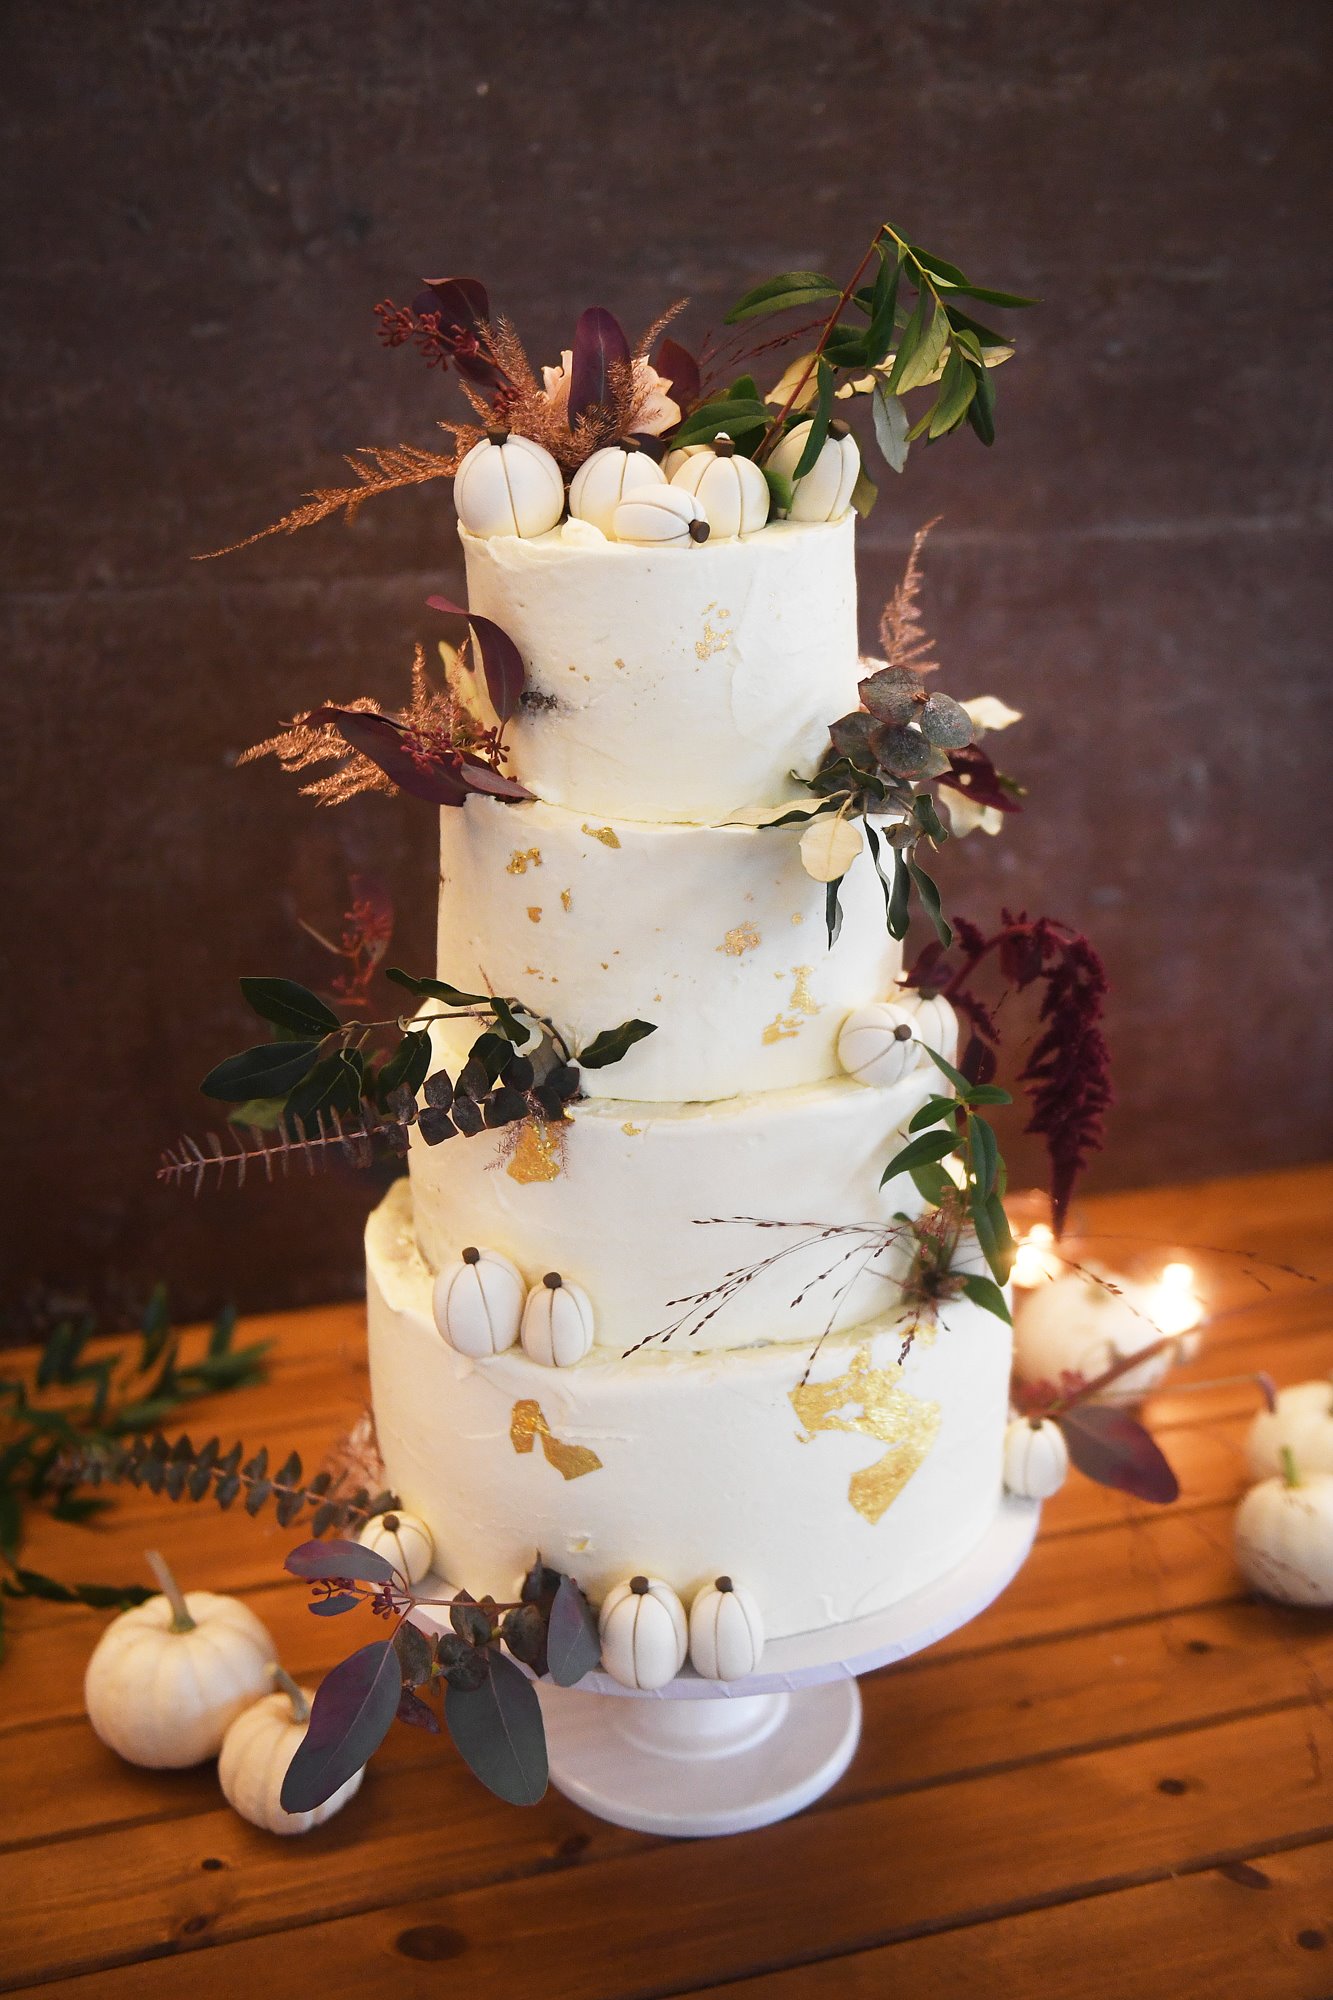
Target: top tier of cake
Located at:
point(670, 684)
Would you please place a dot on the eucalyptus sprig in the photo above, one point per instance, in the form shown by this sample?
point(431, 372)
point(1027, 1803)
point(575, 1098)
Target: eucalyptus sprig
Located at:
point(82, 1404)
point(885, 336)
point(952, 1127)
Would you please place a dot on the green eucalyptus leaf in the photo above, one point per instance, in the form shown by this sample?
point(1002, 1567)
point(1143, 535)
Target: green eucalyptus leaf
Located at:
point(790, 288)
point(930, 900)
point(744, 390)
point(981, 410)
point(946, 1068)
point(779, 490)
point(833, 910)
point(934, 1184)
point(270, 1070)
point(986, 1093)
point(912, 335)
point(734, 418)
point(613, 1043)
point(883, 309)
point(898, 900)
point(924, 360)
point(406, 1068)
point(984, 1154)
point(819, 422)
point(986, 1293)
point(290, 1006)
point(497, 1730)
point(926, 817)
point(891, 426)
point(958, 385)
point(864, 493)
point(437, 989)
point(919, 1152)
point(932, 1112)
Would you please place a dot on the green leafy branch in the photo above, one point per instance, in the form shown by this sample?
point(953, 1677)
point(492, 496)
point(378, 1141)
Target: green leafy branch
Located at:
point(907, 331)
point(82, 1403)
point(951, 1127)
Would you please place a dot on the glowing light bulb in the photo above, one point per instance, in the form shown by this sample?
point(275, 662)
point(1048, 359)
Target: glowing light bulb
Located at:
point(1172, 1303)
point(1036, 1261)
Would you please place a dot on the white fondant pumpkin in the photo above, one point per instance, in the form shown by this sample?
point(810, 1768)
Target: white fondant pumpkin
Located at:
point(730, 488)
point(936, 1024)
point(878, 1044)
point(478, 1303)
point(166, 1678)
point(1303, 1420)
point(673, 461)
point(644, 1634)
point(1036, 1458)
point(404, 1540)
point(726, 1632)
point(557, 1323)
point(606, 478)
point(1075, 1325)
point(1284, 1537)
point(509, 485)
point(824, 493)
point(257, 1751)
point(664, 516)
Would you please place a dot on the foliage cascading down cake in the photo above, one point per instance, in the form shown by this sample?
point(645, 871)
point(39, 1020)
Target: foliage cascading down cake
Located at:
point(794, 1439)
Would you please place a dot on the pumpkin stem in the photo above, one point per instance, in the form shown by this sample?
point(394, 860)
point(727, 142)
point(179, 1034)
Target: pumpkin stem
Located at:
point(1287, 1459)
point(181, 1620)
point(284, 1683)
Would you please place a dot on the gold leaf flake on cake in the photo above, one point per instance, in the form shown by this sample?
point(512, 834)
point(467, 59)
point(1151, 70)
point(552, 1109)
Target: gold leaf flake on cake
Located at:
point(517, 863)
point(712, 642)
point(869, 1402)
point(565, 899)
point(802, 1000)
point(527, 1426)
point(737, 942)
point(633, 1130)
point(606, 834)
point(782, 1028)
point(537, 1153)
point(798, 917)
point(534, 913)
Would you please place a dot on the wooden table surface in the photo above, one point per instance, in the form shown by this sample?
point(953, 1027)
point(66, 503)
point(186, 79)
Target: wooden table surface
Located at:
point(1118, 1780)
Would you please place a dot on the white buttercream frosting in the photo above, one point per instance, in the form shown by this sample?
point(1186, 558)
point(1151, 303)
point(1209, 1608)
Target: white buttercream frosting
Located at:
point(716, 934)
point(685, 1465)
point(673, 684)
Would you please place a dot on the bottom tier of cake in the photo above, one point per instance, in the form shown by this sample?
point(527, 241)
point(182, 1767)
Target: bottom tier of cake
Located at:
point(827, 1498)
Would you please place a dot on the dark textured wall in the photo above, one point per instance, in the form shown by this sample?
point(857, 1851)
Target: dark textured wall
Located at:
point(205, 201)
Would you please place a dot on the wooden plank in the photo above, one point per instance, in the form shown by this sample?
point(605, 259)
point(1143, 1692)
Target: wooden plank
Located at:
point(929, 1859)
point(1258, 1927)
point(926, 1720)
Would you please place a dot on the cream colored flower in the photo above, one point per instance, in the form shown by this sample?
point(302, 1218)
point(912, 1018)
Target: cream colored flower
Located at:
point(657, 412)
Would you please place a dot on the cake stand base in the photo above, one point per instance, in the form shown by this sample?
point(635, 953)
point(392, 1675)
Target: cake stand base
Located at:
point(700, 1767)
point(708, 1757)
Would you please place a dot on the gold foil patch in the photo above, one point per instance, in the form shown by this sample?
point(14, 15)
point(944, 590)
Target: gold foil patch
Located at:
point(517, 863)
point(534, 913)
point(565, 899)
point(536, 1156)
point(737, 942)
point(782, 1028)
point(606, 834)
point(878, 1408)
point(633, 1131)
point(802, 1000)
point(712, 642)
point(527, 1425)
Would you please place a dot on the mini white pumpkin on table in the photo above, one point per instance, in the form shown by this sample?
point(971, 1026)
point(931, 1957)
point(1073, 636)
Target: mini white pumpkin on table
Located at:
point(661, 517)
point(167, 1677)
point(1036, 1458)
point(558, 1323)
point(1085, 1321)
point(726, 1632)
point(615, 473)
point(402, 1539)
point(1284, 1535)
point(257, 1752)
point(478, 1302)
point(509, 485)
point(883, 1042)
point(730, 488)
point(643, 1632)
point(824, 493)
point(1301, 1420)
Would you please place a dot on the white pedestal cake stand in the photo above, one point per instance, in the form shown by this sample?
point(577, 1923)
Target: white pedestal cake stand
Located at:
point(713, 1757)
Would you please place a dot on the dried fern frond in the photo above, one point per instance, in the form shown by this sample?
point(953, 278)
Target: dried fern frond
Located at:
point(902, 632)
point(190, 1161)
point(378, 469)
point(649, 338)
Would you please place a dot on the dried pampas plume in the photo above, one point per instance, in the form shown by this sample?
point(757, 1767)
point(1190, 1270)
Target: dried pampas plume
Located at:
point(902, 631)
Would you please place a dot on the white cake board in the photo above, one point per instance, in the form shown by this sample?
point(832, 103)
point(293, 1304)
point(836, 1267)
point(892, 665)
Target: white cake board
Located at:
point(714, 1757)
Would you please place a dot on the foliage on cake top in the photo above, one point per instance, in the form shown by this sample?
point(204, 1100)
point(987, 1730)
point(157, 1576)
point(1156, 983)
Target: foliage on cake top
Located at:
point(894, 328)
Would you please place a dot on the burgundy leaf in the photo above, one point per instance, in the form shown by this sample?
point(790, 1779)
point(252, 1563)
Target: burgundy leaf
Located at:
point(418, 1713)
point(573, 1647)
point(386, 743)
point(501, 661)
point(333, 1607)
point(479, 776)
point(681, 371)
point(349, 1719)
point(599, 343)
point(1113, 1448)
point(463, 308)
point(972, 773)
point(321, 1560)
point(497, 1730)
point(978, 1062)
